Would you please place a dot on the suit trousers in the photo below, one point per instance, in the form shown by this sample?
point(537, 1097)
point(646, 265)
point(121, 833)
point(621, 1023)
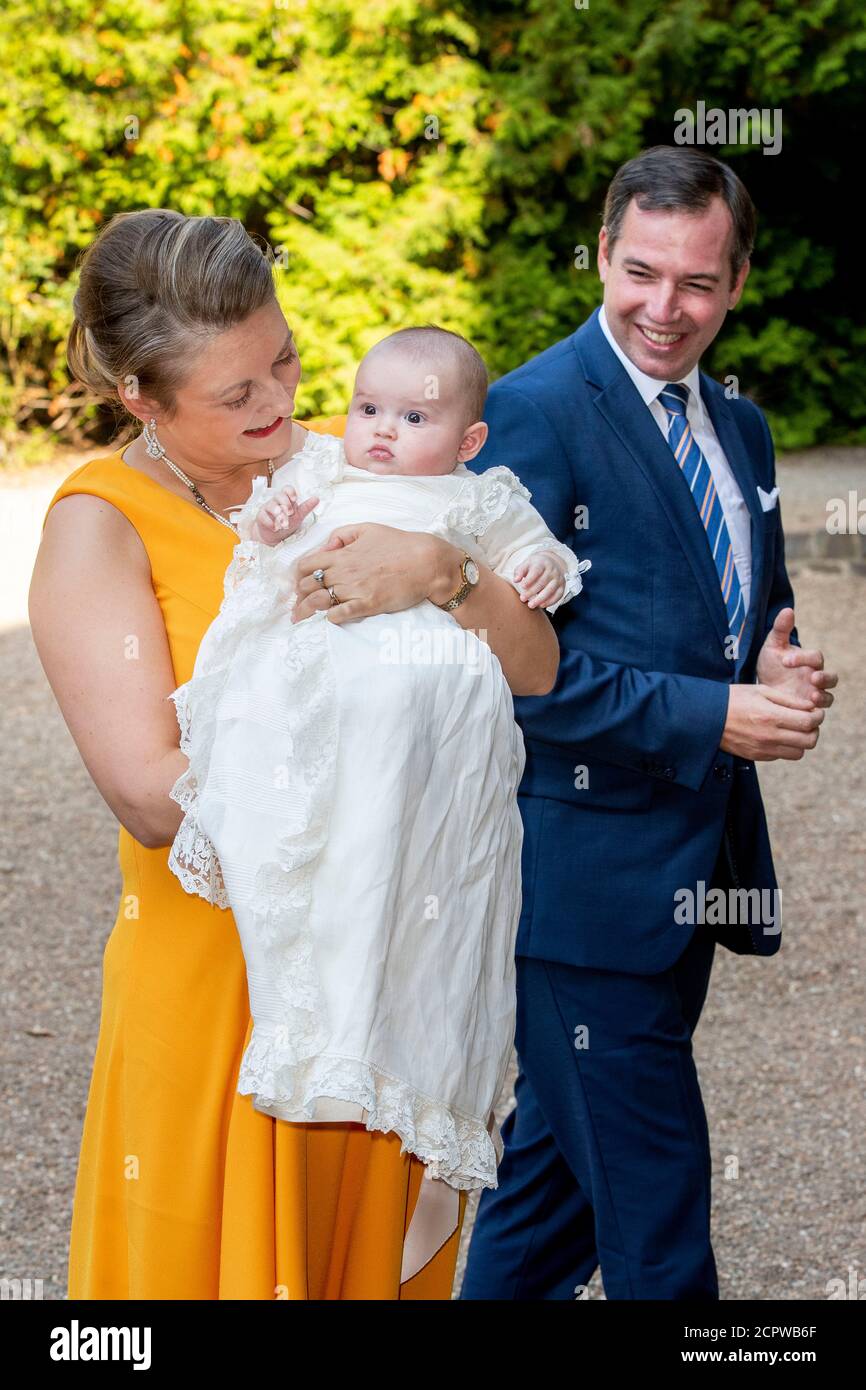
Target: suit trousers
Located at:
point(607, 1155)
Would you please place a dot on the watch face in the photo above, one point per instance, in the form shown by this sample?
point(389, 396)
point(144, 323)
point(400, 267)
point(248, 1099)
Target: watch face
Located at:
point(470, 569)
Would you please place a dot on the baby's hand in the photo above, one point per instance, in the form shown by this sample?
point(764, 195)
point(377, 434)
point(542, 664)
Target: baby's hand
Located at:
point(281, 516)
point(540, 579)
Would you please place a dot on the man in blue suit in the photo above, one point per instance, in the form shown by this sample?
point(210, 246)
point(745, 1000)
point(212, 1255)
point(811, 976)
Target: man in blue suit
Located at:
point(645, 837)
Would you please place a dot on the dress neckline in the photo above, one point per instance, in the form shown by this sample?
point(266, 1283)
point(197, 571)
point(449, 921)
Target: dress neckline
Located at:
point(188, 502)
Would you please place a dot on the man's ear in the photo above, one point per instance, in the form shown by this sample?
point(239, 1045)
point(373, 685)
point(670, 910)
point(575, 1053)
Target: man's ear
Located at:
point(473, 441)
point(737, 286)
point(602, 258)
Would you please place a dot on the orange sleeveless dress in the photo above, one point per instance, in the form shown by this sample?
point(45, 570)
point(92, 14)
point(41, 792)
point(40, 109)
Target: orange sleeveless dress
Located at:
point(183, 1190)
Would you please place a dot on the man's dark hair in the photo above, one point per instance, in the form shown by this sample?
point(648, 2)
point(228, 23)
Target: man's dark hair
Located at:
point(679, 178)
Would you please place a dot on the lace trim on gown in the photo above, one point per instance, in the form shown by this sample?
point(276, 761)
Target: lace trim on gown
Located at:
point(484, 499)
point(192, 857)
point(456, 1148)
point(574, 569)
point(316, 468)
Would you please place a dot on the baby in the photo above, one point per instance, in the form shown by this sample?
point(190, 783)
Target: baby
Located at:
point(404, 420)
point(357, 813)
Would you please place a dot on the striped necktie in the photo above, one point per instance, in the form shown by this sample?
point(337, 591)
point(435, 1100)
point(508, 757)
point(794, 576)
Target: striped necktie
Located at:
point(686, 450)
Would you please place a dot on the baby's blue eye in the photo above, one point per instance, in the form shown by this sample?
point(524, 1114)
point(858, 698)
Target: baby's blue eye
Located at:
point(418, 417)
point(368, 407)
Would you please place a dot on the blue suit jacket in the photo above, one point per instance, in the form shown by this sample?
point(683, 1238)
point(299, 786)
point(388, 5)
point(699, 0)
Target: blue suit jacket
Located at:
point(642, 691)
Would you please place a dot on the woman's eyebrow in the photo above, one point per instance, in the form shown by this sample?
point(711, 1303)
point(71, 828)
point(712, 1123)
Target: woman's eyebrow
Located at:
point(238, 384)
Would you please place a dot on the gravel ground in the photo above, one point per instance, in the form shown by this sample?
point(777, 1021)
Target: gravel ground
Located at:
point(781, 1046)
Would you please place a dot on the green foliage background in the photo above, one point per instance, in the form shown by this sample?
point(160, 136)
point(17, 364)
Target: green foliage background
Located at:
point(416, 161)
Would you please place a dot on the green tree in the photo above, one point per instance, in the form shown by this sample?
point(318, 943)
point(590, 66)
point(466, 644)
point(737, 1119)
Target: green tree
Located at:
point(412, 161)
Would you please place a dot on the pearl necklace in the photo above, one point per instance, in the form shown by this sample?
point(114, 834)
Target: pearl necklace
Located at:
point(156, 451)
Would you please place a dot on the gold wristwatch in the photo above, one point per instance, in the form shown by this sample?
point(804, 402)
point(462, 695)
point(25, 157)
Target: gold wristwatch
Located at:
point(471, 576)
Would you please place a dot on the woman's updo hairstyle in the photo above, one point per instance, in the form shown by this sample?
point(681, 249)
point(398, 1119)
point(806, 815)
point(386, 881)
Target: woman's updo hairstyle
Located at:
point(154, 286)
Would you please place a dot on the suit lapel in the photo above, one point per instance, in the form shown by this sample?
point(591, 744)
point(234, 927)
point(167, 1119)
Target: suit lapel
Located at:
point(622, 407)
point(620, 404)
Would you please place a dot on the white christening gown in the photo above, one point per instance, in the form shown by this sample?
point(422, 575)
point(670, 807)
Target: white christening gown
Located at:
point(351, 796)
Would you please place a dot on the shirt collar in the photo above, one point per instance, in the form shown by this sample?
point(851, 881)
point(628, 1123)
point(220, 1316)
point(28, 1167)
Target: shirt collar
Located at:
point(649, 386)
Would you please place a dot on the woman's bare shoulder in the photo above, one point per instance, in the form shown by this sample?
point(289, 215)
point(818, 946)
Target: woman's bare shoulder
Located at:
point(84, 525)
point(91, 603)
point(92, 557)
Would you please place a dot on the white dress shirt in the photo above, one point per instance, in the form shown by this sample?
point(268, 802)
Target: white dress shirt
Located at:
point(735, 511)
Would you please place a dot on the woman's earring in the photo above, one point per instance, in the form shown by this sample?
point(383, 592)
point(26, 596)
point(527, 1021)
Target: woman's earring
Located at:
point(153, 447)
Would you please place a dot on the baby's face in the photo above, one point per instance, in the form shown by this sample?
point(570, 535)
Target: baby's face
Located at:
point(404, 416)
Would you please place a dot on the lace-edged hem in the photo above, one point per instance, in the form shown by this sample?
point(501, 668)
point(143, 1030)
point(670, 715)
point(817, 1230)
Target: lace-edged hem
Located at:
point(192, 857)
point(454, 1147)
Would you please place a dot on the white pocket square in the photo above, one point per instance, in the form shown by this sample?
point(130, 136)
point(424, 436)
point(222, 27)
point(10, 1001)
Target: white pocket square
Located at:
point(768, 499)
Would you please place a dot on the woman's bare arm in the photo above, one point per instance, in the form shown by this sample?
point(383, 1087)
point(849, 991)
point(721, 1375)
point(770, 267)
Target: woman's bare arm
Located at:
point(381, 569)
point(101, 639)
point(527, 650)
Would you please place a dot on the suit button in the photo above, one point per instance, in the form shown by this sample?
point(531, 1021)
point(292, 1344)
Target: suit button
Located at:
point(669, 772)
point(722, 773)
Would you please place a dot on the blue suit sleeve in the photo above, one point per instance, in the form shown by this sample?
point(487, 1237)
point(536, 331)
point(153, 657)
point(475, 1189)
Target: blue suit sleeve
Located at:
point(644, 720)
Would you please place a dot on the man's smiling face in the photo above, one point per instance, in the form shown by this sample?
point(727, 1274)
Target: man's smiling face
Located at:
point(667, 285)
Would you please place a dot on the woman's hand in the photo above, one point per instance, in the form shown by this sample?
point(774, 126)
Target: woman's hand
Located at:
point(372, 569)
point(381, 569)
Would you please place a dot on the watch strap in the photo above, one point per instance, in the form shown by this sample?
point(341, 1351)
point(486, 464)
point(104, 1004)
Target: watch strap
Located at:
point(462, 592)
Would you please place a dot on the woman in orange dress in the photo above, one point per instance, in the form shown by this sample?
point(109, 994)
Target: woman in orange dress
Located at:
point(184, 1191)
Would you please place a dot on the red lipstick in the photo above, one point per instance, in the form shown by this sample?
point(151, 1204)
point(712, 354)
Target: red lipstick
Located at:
point(268, 429)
